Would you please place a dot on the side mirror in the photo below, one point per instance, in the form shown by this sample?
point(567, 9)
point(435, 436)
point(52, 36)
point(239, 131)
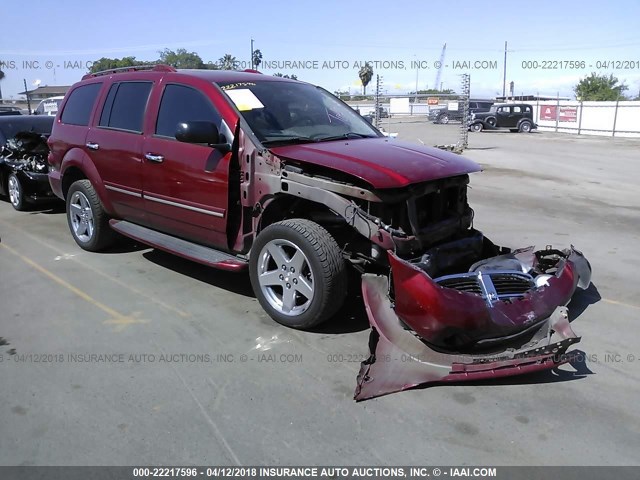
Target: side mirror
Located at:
point(201, 132)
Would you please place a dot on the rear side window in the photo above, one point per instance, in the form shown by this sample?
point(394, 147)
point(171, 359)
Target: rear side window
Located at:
point(78, 108)
point(125, 106)
point(180, 104)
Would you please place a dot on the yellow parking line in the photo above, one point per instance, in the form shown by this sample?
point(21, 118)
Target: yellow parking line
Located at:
point(109, 311)
point(155, 300)
point(622, 304)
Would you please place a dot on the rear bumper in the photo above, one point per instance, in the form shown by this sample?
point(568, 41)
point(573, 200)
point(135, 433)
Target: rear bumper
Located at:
point(55, 182)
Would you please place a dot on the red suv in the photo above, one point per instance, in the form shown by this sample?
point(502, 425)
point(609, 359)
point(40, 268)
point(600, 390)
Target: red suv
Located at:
point(240, 170)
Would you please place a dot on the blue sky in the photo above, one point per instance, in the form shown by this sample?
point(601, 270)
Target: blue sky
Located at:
point(74, 32)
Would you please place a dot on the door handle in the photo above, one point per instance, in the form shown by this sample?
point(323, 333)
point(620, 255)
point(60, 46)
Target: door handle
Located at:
point(92, 146)
point(152, 157)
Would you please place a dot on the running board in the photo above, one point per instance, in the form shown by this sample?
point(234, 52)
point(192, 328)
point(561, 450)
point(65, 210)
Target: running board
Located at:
point(177, 246)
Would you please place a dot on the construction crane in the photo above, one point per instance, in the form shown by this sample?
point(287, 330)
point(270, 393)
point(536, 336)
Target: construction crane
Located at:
point(439, 74)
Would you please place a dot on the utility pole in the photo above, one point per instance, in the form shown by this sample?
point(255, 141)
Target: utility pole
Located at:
point(504, 74)
point(252, 54)
point(24, 80)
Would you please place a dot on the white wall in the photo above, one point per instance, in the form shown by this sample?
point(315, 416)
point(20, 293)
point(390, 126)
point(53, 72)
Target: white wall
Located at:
point(593, 118)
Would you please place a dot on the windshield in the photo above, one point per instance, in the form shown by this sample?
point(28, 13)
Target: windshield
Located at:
point(288, 112)
point(494, 108)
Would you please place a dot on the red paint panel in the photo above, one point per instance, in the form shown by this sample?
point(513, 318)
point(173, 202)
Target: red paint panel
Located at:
point(381, 162)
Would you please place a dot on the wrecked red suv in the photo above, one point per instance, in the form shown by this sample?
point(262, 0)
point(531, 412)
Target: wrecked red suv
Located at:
point(243, 171)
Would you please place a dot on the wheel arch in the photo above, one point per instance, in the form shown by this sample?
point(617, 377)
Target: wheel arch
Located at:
point(76, 165)
point(285, 206)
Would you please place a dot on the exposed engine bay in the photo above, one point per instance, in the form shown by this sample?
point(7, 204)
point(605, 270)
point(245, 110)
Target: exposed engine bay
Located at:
point(27, 151)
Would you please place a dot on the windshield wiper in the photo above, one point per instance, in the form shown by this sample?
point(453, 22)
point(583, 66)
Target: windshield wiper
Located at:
point(289, 140)
point(345, 136)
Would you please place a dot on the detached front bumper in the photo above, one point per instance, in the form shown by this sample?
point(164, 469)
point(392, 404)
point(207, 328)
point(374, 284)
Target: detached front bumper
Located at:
point(466, 326)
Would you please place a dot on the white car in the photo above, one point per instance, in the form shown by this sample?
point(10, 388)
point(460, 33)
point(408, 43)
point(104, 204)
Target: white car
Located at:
point(48, 106)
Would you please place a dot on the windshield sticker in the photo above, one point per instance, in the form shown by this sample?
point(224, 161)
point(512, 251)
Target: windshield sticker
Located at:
point(244, 99)
point(231, 86)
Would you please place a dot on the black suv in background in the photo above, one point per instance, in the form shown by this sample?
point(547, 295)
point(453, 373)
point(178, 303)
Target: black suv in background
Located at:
point(445, 115)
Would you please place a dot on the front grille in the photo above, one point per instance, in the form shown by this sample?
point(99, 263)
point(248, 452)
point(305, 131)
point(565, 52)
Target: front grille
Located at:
point(511, 284)
point(492, 286)
point(464, 284)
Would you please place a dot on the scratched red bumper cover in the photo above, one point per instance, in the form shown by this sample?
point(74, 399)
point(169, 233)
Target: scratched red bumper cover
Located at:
point(506, 316)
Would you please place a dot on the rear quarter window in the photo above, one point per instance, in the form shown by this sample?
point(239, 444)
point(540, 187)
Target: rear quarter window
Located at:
point(78, 108)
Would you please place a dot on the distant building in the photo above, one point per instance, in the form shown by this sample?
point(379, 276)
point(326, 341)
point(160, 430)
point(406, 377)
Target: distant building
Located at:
point(44, 92)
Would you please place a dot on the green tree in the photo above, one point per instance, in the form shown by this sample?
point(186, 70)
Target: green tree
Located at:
point(181, 58)
point(365, 74)
point(599, 87)
point(111, 63)
point(434, 91)
point(228, 62)
point(257, 58)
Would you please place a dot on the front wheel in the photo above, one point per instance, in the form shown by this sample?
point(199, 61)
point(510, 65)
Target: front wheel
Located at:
point(444, 119)
point(88, 222)
point(525, 127)
point(298, 273)
point(476, 127)
point(16, 193)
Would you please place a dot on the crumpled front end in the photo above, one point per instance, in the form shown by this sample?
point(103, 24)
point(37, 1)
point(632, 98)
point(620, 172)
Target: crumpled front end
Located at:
point(26, 156)
point(505, 316)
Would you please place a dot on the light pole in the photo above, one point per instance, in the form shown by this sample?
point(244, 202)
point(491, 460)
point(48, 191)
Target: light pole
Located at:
point(504, 72)
point(252, 54)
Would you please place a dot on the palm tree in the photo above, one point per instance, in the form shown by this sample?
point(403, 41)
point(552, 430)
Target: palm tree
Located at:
point(365, 74)
point(228, 62)
point(257, 58)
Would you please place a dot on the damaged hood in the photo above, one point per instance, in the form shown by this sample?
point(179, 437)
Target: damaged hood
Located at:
point(381, 162)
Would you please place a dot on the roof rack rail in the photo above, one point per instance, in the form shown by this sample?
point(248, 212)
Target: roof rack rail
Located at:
point(135, 68)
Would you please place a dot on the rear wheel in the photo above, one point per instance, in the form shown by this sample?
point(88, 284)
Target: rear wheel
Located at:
point(444, 119)
point(88, 222)
point(16, 193)
point(525, 127)
point(298, 273)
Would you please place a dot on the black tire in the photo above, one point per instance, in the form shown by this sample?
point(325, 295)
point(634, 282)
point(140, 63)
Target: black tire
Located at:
point(443, 119)
point(491, 121)
point(323, 269)
point(98, 233)
point(16, 193)
point(525, 127)
point(476, 127)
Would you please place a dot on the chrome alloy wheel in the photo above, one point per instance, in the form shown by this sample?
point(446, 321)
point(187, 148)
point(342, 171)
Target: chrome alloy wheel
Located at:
point(81, 217)
point(285, 277)
point(14, 191)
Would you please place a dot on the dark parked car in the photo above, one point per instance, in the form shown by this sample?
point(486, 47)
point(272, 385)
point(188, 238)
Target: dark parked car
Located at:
point(9, 110)
point(517, 117)
point(445, 115)
point(244, 171)
point(23, 159)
